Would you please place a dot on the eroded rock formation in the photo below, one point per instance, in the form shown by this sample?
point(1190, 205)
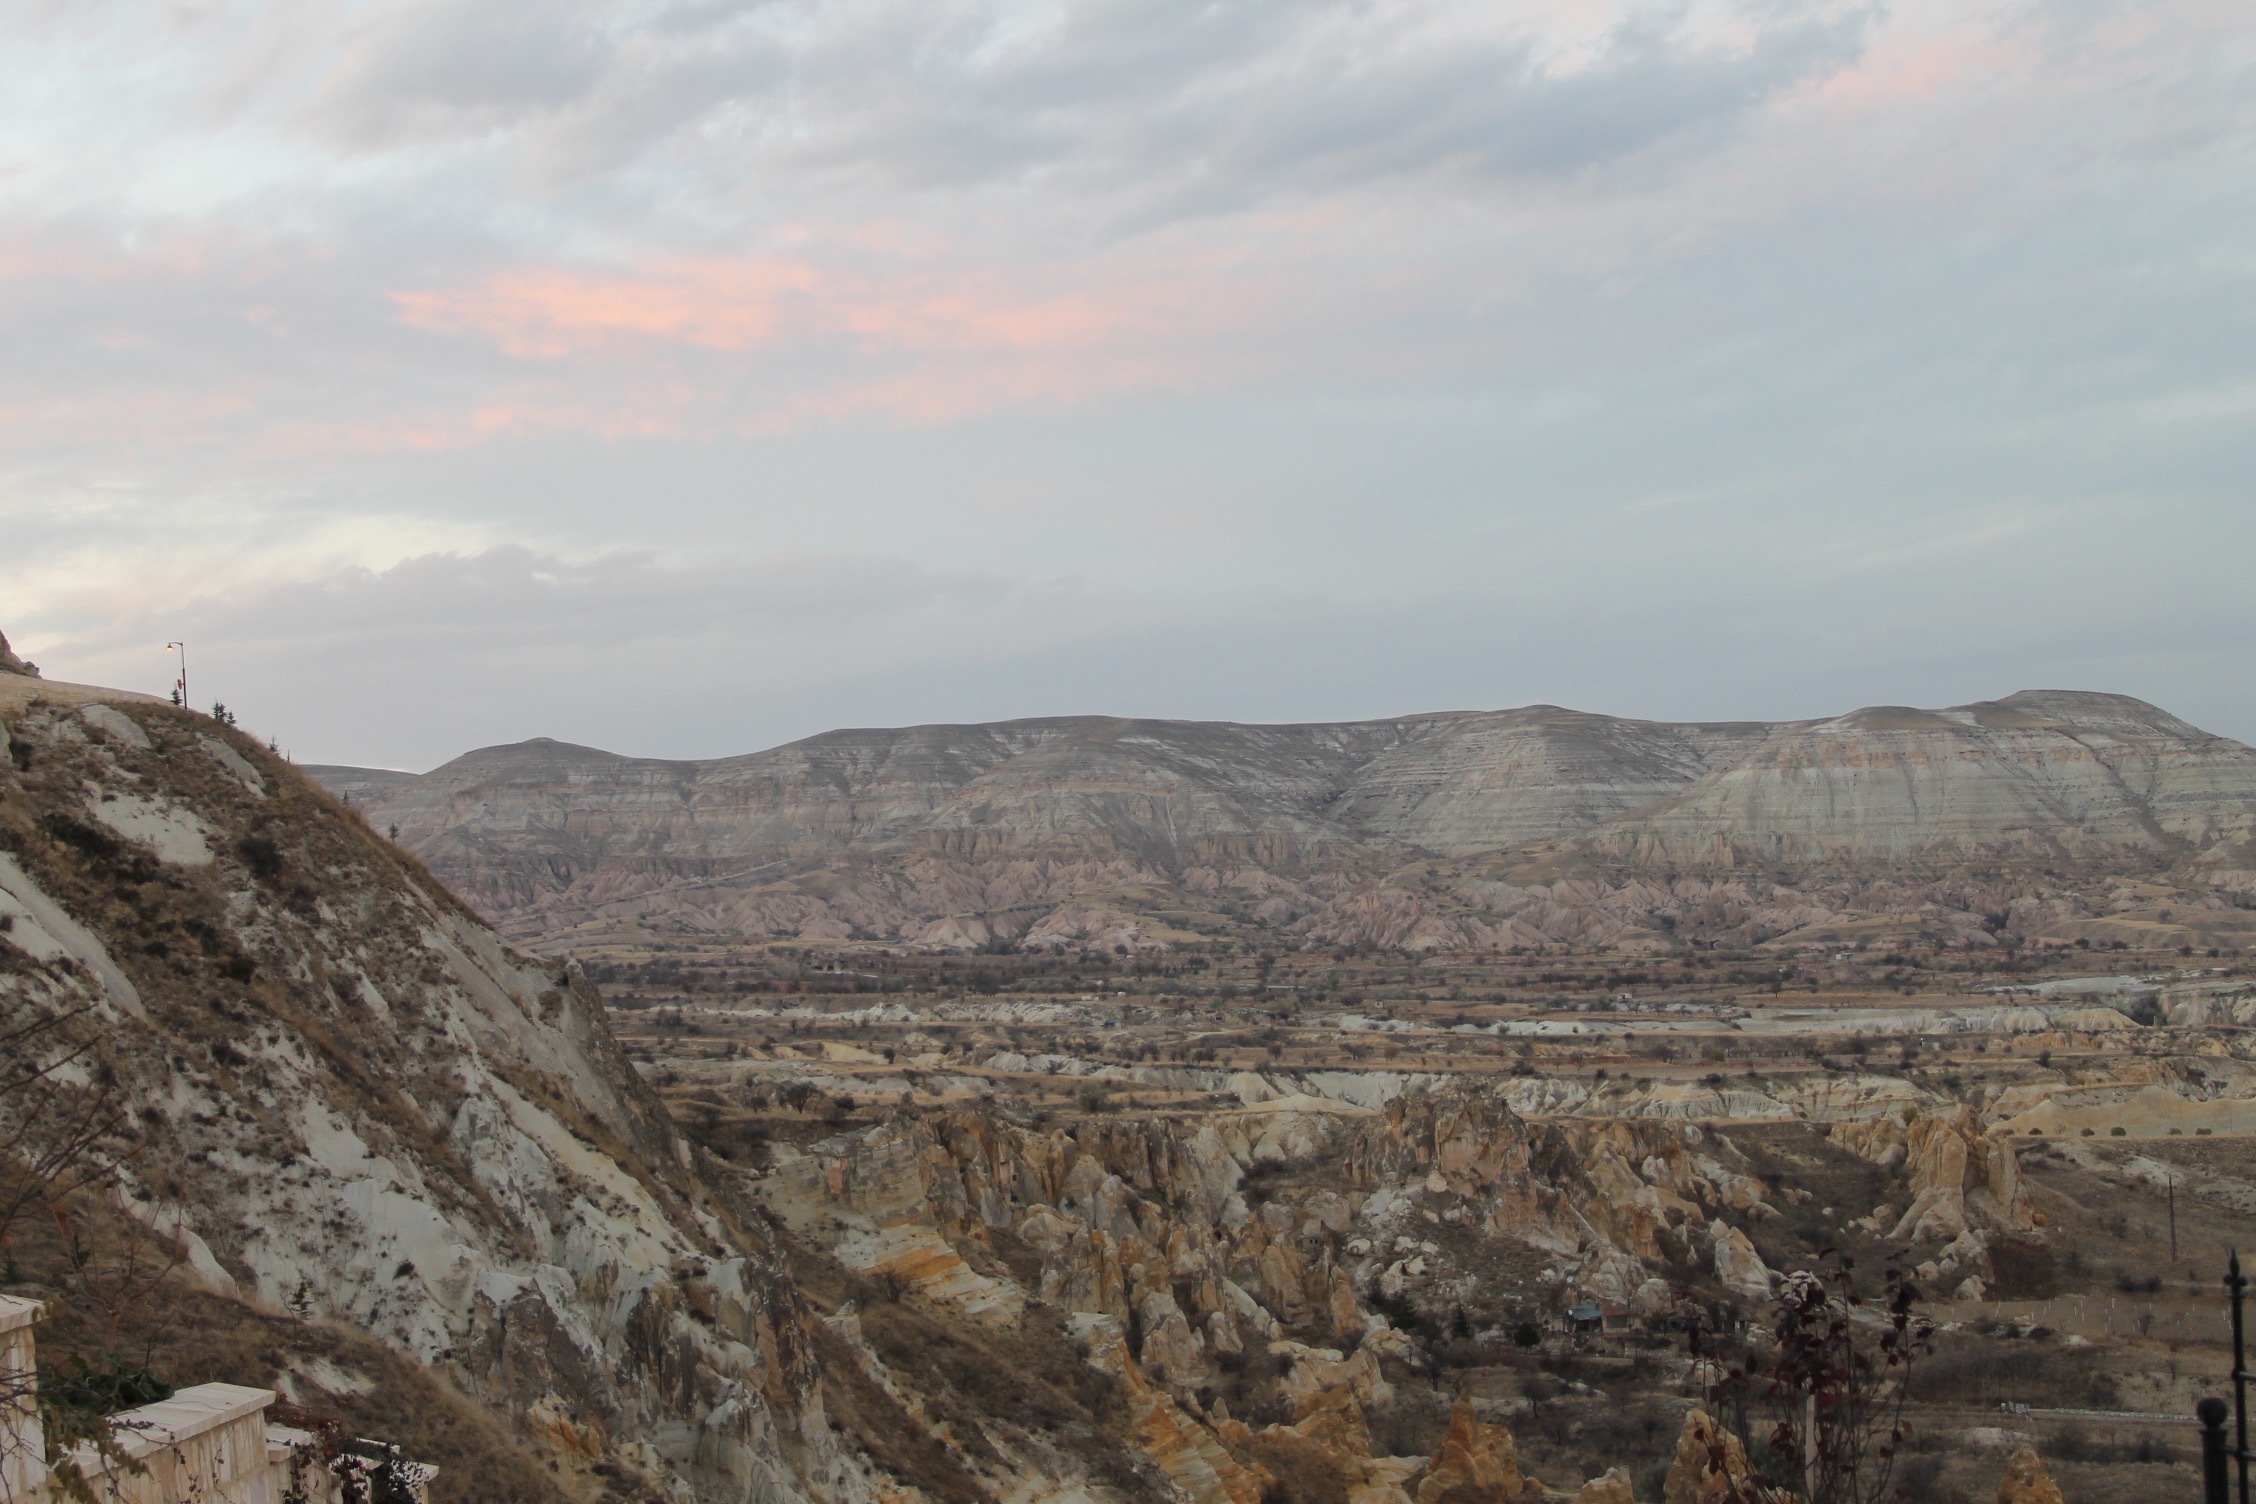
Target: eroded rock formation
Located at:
point(1965, 1185)
point(1176, 1249)
point(1710, 1467)
point(2027, 1481)
point(1610, 1487)
point(1476, 1464)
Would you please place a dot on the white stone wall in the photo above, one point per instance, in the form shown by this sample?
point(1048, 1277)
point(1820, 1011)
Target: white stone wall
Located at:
point(210, 1443)
point(23, 1451)
point(207, 1443)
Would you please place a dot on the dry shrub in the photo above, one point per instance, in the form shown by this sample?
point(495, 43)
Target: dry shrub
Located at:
point(188, 1335)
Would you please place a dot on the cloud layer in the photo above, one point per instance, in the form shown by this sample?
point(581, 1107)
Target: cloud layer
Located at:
point(1268, 359)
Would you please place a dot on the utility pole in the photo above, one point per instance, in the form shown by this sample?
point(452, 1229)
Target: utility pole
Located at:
point(180, 685)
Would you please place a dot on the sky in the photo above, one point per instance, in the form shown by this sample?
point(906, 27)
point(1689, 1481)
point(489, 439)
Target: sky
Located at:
point(686, 376)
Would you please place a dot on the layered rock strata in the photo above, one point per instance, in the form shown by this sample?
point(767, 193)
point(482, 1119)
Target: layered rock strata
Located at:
point(1092, 831)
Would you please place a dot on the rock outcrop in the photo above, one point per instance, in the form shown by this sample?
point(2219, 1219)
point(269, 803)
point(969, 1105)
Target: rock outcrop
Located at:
point(1738, 1268)
point(1710, 1467)
point(1081, 831)
point(1610, 1487)
point(2027, 1481)
point(1476, 1464)
point(1960, 1175)
point(11, 664)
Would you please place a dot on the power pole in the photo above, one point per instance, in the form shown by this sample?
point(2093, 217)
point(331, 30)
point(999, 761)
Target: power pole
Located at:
point(180, 685)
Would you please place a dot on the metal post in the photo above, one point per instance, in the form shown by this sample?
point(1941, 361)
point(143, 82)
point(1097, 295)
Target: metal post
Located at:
point(2238, 1285)
point(180, 687)
point(2215, 1487)
point(1809, 1445)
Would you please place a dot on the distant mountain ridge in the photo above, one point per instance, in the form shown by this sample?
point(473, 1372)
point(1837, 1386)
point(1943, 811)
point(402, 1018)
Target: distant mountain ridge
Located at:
point(968, 833)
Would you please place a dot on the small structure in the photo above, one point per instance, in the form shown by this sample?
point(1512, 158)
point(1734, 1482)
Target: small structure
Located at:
point(210, 1443)
point(1590, 1318)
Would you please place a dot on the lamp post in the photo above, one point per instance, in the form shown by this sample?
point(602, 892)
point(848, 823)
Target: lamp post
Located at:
point(180, 685)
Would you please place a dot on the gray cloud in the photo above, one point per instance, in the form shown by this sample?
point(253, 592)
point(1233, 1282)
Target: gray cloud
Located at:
point(411, 665)
point(429, 68)
point(1180, 104)
point(779, 365)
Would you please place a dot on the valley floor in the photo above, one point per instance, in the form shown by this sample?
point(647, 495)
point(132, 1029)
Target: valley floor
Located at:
point(1300, 1206)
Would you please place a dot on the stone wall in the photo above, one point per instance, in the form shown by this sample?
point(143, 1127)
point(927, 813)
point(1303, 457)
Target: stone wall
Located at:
point(210, 1443)
point(22, 1446)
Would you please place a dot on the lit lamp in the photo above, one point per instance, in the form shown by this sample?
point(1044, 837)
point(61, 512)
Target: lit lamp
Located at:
point(180, 685)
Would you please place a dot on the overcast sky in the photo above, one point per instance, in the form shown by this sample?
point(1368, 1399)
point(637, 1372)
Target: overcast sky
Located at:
point(686, 376)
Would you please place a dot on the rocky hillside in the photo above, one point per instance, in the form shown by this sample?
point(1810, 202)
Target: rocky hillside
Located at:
point(1436, 830)
point(1279, 1288)
point(406, 1168)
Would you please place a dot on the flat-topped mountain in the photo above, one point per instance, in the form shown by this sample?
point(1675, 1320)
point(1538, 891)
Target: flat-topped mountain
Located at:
point(1079, 829)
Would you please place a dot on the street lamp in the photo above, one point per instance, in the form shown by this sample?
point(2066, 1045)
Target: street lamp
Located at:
point(180, 685)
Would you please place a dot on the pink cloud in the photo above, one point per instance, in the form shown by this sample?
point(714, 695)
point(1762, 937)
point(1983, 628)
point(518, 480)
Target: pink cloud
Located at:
point(920, 343)
point(751, 304)
point(545, 313)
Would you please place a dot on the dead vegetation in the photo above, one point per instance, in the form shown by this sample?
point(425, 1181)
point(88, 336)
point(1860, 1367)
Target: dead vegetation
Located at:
point(165, 1323)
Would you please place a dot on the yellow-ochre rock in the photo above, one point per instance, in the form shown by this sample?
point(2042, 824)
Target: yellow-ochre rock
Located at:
point(1477, 1463)
point(1610, 1487)
point(1710, 1466)
point(2026, 1481)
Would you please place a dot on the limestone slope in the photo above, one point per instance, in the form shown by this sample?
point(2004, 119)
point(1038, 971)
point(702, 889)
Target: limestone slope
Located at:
point(353, 1103)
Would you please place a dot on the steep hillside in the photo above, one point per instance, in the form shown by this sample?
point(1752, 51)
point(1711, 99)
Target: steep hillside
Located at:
point(409, 1171)
point(2047, 774)
point(1110, 832)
